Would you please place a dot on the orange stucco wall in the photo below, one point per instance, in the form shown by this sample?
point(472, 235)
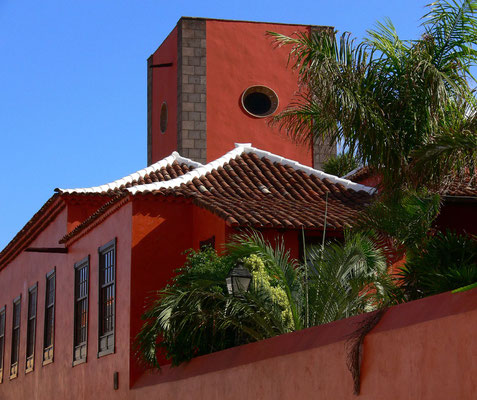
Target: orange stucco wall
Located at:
point(421, 350)
point(164, 89)
point(239, 55)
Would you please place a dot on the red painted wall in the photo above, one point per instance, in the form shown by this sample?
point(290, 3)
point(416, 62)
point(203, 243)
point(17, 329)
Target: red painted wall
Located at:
point(421, 350)
point(59, 379)
point(290, 238)
point(164, 88)
point(239, 55)
point(22, 273)
point(459, 217)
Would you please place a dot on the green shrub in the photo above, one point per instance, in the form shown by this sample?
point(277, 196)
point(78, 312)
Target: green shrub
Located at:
point(446, 261)
point(341, 164)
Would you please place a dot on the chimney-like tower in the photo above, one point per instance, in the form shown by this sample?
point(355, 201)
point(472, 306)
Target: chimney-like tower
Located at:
point(212, 83)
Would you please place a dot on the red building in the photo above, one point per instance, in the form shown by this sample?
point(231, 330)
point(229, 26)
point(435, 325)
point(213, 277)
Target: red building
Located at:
point(74, 280)
point(459, 200)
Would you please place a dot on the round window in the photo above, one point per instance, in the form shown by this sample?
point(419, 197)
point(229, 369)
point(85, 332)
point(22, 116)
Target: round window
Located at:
point(259, 101)
point(163, 117)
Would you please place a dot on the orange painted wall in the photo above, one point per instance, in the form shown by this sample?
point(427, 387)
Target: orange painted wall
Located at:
point(164, 88)
point(81, 208)
point(59, 379)
point(206, 225)
point(239, 55)
point(161, 232)
point(421, 350)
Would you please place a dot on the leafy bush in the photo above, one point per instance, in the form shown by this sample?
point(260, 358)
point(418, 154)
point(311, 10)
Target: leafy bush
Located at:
point(194, 315)
point(341, 164)
point(404, 217)
point(447, 261)
point(180, 322)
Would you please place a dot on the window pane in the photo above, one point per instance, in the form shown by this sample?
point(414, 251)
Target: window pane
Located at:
point(49, 316)
point(49, 326)
point(16, 332)
point(81, 310)
point(2, 337)
point(32, 295)
point(107, 272)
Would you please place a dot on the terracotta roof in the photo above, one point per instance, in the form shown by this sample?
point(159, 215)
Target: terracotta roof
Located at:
point(463, 186)
point(358, 174)
point(164, 170)
point(169, 168)
point(241, 148)
point(458, 186)
point(251, 187)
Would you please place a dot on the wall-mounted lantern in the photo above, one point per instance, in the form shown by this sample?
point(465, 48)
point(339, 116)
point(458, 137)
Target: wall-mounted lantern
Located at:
point(238, 280)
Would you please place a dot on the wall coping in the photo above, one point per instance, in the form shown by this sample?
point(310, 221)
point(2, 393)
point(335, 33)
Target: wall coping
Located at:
point(397, 317)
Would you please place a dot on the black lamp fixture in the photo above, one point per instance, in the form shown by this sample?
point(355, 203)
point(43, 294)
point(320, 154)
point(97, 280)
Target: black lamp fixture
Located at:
point(238, 280)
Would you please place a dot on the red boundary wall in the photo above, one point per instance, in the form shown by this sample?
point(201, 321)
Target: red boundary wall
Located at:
point(425, 349)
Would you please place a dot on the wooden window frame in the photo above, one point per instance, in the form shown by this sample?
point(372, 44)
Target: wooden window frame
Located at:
point(3, 315)
point(17, 302)
point(111, 245)
point(30, 359)
point(49, 350)
point(84, 263)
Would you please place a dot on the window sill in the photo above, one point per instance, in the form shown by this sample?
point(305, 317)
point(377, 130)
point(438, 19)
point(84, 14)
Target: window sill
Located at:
point(14, 371)
point(79, 361)
point(105, 352)
point(47, 361)
point(28, 370)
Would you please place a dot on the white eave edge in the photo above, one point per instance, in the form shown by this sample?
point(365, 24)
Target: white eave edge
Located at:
point(247, 148)
point(175, 156)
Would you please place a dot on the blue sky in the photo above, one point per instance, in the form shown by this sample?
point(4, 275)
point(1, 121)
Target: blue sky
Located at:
point(73, 82)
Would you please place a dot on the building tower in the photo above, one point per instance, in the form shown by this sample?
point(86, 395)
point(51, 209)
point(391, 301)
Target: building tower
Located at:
point(212, 83)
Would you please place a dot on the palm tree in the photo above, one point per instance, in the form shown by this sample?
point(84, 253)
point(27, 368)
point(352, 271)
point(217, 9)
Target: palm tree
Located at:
point(404, 107)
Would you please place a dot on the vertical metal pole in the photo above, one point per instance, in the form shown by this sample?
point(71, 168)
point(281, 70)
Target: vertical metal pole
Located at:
point(307, 312)
point(324, 224)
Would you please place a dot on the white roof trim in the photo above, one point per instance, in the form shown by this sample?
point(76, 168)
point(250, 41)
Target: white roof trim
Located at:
point(247, 148)
point(175, 156)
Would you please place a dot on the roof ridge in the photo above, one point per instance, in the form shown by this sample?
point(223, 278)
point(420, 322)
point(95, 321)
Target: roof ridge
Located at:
point(246, 148)
point(311, 171)
point(189, 176)
point(175, 156)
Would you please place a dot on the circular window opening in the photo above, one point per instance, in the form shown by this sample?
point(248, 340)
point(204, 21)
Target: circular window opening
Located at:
point(259, 101)
point(163, 117)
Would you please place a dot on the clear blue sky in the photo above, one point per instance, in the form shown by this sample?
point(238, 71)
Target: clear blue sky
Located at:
point(73, 82)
